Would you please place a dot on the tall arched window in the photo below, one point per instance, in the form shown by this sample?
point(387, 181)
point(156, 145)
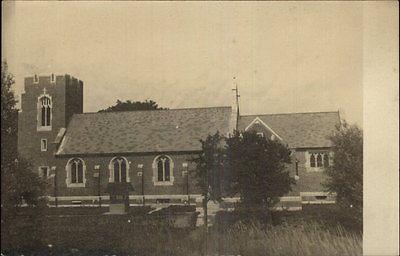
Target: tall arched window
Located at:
point(163, 170)
point(319, 160)
point(312, 160)
point(119, 167)
point(76, 173)
point(44, 111)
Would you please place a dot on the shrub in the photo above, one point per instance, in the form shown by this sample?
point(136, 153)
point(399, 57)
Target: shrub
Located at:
point(345, 176)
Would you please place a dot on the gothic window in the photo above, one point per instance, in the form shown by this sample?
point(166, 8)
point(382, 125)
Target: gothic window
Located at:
point(312, 160)
point(44, 111)
point(76, 172)
point(319, 159)
point(163, 172)
point(119, 170)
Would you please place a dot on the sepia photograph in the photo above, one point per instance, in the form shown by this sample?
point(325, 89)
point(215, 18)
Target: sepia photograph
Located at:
point(199, 128)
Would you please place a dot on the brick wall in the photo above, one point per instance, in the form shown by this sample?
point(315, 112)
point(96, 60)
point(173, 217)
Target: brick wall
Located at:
point(309, 181)
point(91, 188)
point(66, 99)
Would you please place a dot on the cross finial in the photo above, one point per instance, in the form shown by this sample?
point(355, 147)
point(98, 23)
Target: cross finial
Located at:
point(44, 90)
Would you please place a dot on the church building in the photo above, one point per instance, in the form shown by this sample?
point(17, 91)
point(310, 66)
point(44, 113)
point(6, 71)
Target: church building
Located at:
point(94, 159)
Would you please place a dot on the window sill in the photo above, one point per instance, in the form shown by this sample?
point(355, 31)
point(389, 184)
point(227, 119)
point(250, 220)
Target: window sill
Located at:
point(43, 128)
point(163, 183)
point(76, 185)
point(315, 169)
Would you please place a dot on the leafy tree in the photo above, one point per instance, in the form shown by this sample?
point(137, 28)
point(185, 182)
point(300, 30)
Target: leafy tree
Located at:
point(209, 167)
point(132, 106)
point(257, 169)
point(9, 115)
point(208, 173)
point(244, 164)
point(345, 176)
point(19, 184)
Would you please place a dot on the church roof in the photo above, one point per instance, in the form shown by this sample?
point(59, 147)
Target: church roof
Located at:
point(143, 131)
point(298, 130)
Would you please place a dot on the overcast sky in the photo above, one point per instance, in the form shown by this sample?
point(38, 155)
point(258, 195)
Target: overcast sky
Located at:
point(287, 56)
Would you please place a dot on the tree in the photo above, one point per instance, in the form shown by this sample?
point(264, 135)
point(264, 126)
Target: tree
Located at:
point(345, 176)
point(9, 115)
point(132, 106)
point(209, 167)
point(19, 184)
point(208, 173)
point(257, 169)
point(244, 164)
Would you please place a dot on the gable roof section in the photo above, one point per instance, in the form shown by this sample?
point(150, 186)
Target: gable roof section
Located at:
point(299, 130)
point(257, 120)
point(143, 131)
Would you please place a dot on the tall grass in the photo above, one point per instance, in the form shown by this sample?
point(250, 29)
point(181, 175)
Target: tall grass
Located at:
point(125, 236)
point(308, 239)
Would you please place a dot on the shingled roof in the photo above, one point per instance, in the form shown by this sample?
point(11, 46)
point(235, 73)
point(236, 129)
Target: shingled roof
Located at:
point(299, 130)
point(143, 131)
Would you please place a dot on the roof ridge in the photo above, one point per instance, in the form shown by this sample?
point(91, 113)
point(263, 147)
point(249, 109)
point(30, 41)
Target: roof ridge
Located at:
point(108, 112)
point(293, 113)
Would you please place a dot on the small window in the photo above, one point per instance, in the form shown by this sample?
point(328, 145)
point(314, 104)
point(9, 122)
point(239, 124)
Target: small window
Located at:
point(320, 197)
point(44, 171)
point(261, 134)
point(43, 144)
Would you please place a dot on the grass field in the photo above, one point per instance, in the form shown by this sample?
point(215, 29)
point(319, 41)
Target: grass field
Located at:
point(125, 235)
point(240, 239)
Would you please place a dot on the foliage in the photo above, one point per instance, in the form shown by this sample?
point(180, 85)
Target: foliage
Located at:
point(8, 116)
point(257, 169)
point(345, 176)
point(19, 183)
point(210, 167)
point(244, 164)
point(132, 106)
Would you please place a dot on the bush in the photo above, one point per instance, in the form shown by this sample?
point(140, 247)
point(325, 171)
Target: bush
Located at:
point(345, 177)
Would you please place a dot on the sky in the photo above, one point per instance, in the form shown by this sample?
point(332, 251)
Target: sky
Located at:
point(286, 56)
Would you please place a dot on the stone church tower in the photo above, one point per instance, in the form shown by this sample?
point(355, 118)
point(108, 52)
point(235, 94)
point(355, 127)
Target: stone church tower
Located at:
point(47, 104)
